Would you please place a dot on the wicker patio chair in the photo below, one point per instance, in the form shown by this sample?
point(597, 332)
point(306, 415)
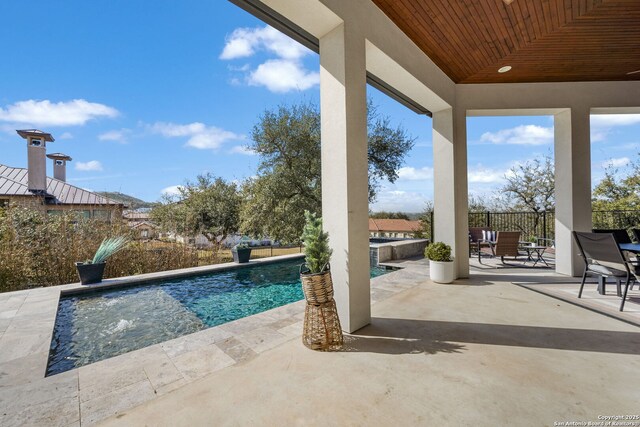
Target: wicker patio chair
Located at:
point(506, 244)
point(476, 239)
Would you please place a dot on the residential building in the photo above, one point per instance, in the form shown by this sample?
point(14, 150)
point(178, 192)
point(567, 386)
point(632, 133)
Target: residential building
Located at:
point(393, 228)
point(33, 188)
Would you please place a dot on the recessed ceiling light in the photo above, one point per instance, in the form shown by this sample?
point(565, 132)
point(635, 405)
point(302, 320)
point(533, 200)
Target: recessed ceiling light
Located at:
point(504, 69)
point(633, 72)
point(507, 2)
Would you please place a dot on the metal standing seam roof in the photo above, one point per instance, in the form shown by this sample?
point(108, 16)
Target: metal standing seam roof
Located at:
point(14, 182)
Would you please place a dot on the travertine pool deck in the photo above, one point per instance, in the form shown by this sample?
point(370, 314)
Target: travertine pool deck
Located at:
point(93, 392)
point(478, 352)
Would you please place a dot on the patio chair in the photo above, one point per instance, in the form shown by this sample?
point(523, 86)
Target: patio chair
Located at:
point(506, 244)
point(620, 234)
point(476, 239)
point(603, 258)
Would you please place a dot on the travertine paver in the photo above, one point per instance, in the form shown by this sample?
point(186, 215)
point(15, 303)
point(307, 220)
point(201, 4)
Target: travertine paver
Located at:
point(93, 392)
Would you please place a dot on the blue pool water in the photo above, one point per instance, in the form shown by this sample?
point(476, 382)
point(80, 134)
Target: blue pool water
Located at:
point(104, 324)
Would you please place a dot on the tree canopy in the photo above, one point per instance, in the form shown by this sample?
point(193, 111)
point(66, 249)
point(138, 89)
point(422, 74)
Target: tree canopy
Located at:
point(287, 184)
point(209, 206)
point(618, 191)
point(531, 185)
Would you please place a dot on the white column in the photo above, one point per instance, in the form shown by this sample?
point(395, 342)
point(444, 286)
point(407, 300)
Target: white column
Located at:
point(572, 186)
point(450, 195)
point(343, 100)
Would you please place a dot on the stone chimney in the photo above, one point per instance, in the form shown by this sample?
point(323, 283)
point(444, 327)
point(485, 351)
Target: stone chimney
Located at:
point(60, 165)
point(36, 150)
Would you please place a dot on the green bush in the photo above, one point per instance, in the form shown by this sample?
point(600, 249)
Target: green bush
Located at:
point(438, 252)
point(316, 244)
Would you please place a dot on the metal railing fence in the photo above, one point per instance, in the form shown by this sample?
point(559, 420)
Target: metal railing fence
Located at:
point(539, 224)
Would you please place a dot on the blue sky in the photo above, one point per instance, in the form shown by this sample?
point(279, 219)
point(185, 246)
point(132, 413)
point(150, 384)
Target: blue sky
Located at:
point(144, 98)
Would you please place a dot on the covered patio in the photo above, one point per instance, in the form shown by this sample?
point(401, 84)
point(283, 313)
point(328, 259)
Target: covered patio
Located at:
point(452, 60)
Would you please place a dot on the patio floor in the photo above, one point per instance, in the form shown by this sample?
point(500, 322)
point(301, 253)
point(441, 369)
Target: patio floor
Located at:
point(478, 352)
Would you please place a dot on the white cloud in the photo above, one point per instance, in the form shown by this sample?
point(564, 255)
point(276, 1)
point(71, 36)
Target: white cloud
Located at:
point(46, 113)
point(66, 135)
point(200, 135)
point(280, 76)
point(284, 74)
point(485, 176)
point(92, 165)
point(520, 135)
point(173, 190)
point(241, 149)
point(413, 174)
point(616, 163)
point(120, 136)
point(245, 42)
point(611, 120)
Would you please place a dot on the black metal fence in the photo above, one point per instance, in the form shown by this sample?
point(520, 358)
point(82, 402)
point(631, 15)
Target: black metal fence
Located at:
point(540, 224)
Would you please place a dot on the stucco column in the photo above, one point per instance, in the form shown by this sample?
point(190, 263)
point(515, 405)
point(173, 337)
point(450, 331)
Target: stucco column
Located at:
point(572, 185)
point(343, 101)
point(450, 195)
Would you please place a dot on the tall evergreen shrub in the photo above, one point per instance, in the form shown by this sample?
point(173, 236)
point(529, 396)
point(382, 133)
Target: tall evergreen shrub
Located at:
point(316, 243)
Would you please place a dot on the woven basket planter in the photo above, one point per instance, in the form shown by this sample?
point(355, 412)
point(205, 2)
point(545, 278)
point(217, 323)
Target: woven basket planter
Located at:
point(322, 330)
point(317, 287)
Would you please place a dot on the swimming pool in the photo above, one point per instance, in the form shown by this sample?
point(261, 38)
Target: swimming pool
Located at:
point(103, 324)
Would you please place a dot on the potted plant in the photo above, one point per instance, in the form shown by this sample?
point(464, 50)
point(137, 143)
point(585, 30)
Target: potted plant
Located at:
point(91, 271)
point(241, 253)
point(440, 262)
point(322, 330)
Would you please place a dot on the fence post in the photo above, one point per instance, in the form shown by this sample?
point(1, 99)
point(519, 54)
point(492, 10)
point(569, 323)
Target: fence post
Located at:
point(544, 226)
point(431, 226)
point(488, 222)
point(271, 248)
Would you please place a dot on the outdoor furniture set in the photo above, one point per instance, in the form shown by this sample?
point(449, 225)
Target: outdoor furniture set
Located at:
point(506, 243)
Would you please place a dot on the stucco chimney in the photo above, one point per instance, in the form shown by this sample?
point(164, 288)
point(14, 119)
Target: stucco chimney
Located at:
point(60, 165)
point(36, 151)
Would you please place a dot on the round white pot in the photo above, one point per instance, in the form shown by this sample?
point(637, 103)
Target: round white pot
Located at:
point(441, 272)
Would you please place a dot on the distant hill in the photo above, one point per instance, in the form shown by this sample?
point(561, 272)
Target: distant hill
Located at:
point(130, 201)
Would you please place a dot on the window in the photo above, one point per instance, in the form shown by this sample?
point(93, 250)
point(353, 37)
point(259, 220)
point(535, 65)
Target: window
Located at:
point(102, 215)
point(55, 212)
point(144, 234)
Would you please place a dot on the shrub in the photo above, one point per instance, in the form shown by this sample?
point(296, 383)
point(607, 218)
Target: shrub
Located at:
point(41, 250)
point(438, 251)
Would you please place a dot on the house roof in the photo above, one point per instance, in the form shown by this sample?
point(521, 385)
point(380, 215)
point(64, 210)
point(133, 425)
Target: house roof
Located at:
point(138, 216)
point(401, 225)
point(141, 223)
point(14, 182)
point(543, 41)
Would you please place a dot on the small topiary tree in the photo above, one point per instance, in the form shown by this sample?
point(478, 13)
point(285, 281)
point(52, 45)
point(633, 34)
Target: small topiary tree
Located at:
point(440, 252)
point(316, 244)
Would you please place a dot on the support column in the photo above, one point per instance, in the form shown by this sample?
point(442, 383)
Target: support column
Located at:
point(450, 195)
point(345, 204)
point(572, 185)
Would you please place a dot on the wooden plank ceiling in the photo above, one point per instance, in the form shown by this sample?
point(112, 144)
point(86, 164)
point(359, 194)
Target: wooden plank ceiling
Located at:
point(542, 40)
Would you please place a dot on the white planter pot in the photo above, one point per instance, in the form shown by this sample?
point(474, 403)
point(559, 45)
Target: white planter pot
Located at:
point(441, 272)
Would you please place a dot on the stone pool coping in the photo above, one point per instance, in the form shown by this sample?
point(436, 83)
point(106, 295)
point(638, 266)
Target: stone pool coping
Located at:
point(86, 395)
